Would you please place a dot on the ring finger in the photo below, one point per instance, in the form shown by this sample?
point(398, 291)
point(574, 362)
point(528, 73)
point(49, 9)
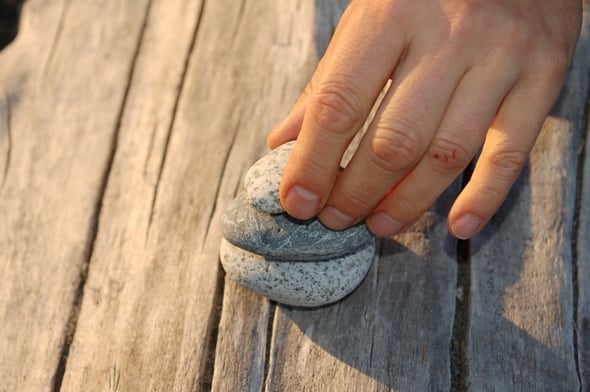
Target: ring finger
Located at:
point(396, 140)
point(460, 135)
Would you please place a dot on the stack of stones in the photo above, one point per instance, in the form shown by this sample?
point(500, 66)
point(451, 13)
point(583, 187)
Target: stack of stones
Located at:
point(299, 263)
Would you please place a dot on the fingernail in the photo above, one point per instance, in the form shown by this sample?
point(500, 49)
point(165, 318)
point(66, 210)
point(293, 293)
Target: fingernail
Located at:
point(301, 203)
point(384, 225)
point(466, 226)
point(335, 219)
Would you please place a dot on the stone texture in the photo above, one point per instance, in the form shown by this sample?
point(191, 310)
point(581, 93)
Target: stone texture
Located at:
point(262, 180)
point(297, 283)
point(279, 236)
point(300, 263)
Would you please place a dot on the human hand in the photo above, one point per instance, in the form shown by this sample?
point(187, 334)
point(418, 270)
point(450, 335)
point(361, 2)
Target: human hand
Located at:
point(464, 74)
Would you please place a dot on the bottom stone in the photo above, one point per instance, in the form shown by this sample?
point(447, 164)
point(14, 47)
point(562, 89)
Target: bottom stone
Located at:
point(297, 283)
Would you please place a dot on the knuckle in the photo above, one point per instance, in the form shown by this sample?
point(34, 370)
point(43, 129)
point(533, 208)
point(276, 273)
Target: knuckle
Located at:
point(517, 36)
point(354, 201)
point(554, 71)
point(507, 164)
point(470, 25)
point(395, 149)
point(338, 107)
point(411, 208)
point(447, 156)
point(487, 193)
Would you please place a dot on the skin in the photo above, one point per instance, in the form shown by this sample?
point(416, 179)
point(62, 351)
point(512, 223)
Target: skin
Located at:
point(467, 76)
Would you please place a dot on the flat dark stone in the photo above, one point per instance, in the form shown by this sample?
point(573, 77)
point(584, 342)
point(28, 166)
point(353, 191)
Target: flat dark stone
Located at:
point(282, 237)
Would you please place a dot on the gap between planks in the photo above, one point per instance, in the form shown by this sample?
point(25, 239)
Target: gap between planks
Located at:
point(577, 232)
point(174, 113)
point(457, 350)
point(71, 326)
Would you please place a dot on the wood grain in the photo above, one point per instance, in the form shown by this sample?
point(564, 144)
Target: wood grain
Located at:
point(582, 214)
point(151, 294)
point(583, 281)
point(521, 325)
point(60, 99)
point(393, 333)
point(125, 130)
point(282, 66)
point(242, 340)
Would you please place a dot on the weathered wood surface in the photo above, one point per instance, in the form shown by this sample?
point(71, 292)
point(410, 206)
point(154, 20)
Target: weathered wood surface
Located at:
point(63, 83)
point(125, 129)
point(581, 251)
point(521, 332)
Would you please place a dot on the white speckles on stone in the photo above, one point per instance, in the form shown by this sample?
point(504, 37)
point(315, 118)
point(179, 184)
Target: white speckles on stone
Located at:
point(300, 263)
point(263, 178)
point(297, 283)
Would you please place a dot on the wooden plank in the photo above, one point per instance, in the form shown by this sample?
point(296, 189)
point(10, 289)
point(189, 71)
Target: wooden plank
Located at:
point(60, 99)
point(240, 356)
point(583, 234)
point(139, 323)
point(282, 64)
point(521, 322)
point(150, 301)
point(393, 333)
point(375, 339)
point(583, 281)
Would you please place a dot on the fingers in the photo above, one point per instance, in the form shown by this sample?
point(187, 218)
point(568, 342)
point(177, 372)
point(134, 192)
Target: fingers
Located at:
point(342, 91)
point(446, 90)
point(507, 146)
point(460, 135)
point(396, 141)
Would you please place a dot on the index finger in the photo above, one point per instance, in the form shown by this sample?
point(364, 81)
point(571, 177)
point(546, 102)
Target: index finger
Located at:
point(360, 59)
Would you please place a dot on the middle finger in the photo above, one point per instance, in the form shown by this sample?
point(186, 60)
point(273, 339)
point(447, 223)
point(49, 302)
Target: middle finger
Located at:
point(398, 137)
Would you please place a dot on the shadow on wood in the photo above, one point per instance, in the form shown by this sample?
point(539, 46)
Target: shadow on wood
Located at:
point(520, 334)
point(9, 20)
point(393, 332)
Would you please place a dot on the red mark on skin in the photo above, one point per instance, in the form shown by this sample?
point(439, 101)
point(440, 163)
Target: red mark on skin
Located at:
point(444, 157)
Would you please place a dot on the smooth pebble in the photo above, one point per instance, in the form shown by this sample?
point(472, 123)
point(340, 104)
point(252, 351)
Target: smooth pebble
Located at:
point(279, 236)
point(262, 180)
point(297, 283)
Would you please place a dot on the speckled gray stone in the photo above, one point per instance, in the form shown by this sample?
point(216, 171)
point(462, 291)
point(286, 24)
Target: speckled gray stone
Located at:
point(262, 180)
point(294, 262)
point(281, 237)
point(297, 283)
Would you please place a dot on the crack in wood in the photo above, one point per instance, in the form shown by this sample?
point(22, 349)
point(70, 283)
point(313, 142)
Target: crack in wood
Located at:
point(372, 347)
point(576, 232)
point(150, 149)
point(457, 352)
point(204, 379)
point(8, 142)
point(55, 40)
point(184, 74)
point(221, 176)
point(269, 342)
point(236, 29)
point(72, 322)
point(458, 356)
